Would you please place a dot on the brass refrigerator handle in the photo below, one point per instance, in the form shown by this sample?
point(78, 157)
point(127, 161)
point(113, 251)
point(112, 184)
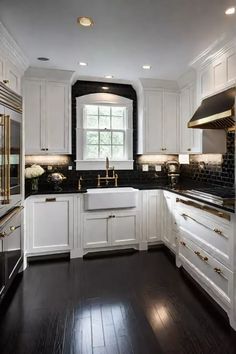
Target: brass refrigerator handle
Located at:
point(6, 162)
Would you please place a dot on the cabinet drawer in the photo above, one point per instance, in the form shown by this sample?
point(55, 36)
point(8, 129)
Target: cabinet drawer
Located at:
point(213, 237)
point(211, 274)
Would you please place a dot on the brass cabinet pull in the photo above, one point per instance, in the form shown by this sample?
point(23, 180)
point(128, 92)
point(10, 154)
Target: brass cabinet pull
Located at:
point(205, 259)
point(218, 270)
point(204, 208)
point(6, 82)
point(50, 200)
point(189, 149)
point(183, 243)
point(219, 232)
point(163, 149)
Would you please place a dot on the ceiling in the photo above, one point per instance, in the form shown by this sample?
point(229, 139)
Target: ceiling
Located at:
point(167, 34)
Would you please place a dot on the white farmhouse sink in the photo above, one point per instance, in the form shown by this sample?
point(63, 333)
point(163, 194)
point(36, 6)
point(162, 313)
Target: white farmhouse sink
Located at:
point(110, 198)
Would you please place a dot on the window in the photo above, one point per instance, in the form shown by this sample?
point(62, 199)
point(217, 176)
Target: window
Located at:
point(104, 129)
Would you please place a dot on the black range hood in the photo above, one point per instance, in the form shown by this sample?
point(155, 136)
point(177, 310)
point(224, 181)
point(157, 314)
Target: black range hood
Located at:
point(216, 112)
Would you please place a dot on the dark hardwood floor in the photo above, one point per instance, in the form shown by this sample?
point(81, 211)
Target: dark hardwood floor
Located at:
point(139, 304)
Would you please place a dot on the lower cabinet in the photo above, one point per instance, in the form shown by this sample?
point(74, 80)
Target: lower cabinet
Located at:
point(49, 224)
point(111, 228)
point(152, 218)
point(169, 228)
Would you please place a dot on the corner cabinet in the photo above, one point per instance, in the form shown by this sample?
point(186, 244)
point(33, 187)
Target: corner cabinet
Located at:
point(47, 107)
point(161, 121)
point(110, 228)
point(50, 225)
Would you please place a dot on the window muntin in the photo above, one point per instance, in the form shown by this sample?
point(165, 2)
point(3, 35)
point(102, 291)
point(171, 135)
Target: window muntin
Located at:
point(104, 132)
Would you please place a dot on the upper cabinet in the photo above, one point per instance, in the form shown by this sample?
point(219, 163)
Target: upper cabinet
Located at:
point(13, 62)
point(189, 138)
point(47, 108)
point(160, 121)
point(217, 73)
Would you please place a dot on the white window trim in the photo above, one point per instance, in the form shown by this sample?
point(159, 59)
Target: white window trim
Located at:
point(109, 99)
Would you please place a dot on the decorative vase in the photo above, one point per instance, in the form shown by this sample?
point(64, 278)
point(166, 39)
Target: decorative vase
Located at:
point(35, 184)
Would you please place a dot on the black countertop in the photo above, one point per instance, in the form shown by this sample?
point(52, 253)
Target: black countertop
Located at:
point(182, 190)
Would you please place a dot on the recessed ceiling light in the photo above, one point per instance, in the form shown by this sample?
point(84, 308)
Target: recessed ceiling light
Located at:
point(105, 88)
point(230, 11)
point(81, 63)
point(109, 76)
point(146, 67)
point(43, 59)
point(85, 21)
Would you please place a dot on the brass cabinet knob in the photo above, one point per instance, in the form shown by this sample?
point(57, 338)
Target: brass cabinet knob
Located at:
point(12, 228)
point(2, 234)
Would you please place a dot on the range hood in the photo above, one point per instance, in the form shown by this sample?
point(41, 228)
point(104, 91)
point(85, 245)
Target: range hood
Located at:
point(216, 112)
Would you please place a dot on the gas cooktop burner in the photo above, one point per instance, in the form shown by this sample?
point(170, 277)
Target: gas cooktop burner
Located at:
point(218, 196)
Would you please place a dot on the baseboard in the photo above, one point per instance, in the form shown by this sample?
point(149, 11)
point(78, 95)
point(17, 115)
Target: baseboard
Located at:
point(110, 253)
point(49, 257)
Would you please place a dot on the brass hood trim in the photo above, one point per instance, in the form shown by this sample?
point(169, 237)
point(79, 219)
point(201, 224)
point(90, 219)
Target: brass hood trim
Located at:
point(216, 112)
point(211, 119)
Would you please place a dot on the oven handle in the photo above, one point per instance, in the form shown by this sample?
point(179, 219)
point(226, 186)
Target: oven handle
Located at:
point(11, 228)
point(10, 215)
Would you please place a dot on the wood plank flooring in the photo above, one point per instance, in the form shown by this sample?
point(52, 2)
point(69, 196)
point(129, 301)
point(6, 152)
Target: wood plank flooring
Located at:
point(139, 304)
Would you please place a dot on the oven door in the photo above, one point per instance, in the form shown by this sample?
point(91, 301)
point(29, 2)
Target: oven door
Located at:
point(11, 253)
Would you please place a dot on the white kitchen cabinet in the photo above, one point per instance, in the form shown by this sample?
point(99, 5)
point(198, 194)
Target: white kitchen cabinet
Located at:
point(125, 228)
point(170, 138)
point(161, 117)
point(110, 228)
point(190, 139)
point(47, 116)
point(218, 73)
point(169, 229)
point(10, 75)
point(49, 224)
point(96, 230)
point(34, 111)
point(152, 216)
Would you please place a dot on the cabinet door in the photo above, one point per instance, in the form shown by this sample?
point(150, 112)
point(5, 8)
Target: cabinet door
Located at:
point(50, 221)
point(2, 66)
point(190, 139)
point(169, 231)
point(125, 228)
point(57, 118)
point(34, 111)
point(170, 123)
point(96, 230)
point(13, 76)
point(153, 121)
point(153, 216)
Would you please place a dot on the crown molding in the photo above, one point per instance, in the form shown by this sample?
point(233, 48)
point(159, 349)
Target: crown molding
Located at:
point(11, 49)
point(214, 51)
